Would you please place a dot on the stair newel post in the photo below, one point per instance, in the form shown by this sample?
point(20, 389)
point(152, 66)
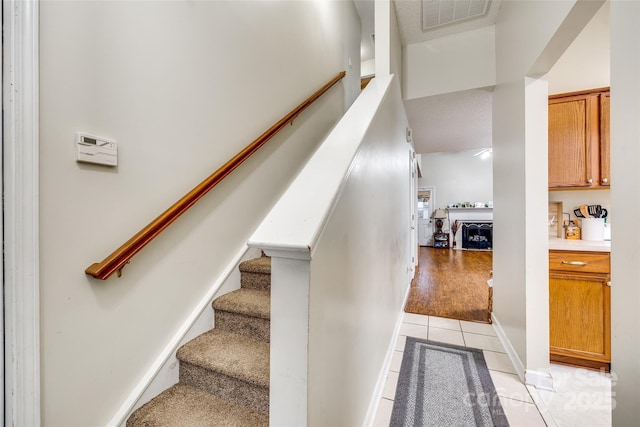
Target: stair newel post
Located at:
point(289, 351)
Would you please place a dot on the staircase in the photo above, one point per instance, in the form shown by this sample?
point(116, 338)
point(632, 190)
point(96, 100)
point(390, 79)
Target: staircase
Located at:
point(224, 373)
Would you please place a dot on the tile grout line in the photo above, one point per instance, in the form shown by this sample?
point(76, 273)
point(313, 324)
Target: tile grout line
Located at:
point(509, 399)
point(477, 333)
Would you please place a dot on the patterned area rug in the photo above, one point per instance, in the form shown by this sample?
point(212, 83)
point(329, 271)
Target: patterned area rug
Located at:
point(445, 385)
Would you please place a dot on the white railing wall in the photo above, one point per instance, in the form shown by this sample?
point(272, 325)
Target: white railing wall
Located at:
point(339, 241)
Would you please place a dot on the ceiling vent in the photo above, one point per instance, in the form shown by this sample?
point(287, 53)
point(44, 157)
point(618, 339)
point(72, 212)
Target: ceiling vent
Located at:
point(437, 13)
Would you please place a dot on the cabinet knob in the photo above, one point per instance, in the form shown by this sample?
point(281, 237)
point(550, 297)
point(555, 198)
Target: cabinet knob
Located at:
point(605, 180)
point(590, 180)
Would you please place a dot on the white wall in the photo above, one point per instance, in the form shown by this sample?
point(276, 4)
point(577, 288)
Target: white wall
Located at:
point(450, 64)
point(530, 36)
point(368, 68)
point(586, 63)
point(182, 86)
point(358, 274)
point(388, 47)
point(573, 199)
point(457, 177)
point(625, 200)
point(339, 278)
point(397, 65)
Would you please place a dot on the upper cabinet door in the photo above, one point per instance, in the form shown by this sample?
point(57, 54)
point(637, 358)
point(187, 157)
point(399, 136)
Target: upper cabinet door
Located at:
point(605, 170)
point(573, 130)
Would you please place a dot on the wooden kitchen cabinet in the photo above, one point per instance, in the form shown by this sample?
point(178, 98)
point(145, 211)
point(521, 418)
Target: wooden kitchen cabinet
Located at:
point(580, 308)
point(605, 146)
point(578, 128)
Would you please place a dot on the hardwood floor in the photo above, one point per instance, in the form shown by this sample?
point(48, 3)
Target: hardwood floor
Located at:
point(452, 283)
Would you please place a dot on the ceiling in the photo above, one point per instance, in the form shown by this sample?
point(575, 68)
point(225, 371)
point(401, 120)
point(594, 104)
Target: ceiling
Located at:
point(448, 122)
point(454, 121)
point(451, 122)
point(463, 120)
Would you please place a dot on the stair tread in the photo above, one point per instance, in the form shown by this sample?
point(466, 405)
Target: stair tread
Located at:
point(249, 302)
point(235, 355)
point(256, 265)
point(182, 405)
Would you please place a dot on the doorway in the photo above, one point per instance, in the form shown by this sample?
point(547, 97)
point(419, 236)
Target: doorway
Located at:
point(426, 205)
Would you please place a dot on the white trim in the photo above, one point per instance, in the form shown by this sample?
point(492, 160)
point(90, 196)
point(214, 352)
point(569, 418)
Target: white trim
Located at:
point(511, 352)
point(289, 349)
point(297, 220)
point(539, 379)
point(21, 209)
point(542, 380)
point(2, 310)
point(276, 251)
point(162, 373)
point(384, 370)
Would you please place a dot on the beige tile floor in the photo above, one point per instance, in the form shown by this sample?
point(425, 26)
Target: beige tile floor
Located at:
point(582, 398)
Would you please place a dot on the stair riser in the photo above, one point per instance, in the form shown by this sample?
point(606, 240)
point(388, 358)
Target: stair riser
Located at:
point(232, 389)
point(240, 324)
point(251, 280)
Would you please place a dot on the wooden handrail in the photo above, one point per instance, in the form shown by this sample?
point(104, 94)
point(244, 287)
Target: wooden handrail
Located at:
point(121, 256)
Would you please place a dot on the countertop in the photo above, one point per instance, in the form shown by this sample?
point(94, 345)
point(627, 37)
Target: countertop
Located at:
point(580, 245)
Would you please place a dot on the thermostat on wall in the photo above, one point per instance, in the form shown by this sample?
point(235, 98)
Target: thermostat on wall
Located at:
point(96, 149)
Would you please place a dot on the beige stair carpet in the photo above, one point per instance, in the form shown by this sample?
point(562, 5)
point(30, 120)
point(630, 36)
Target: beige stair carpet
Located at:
point(224, 373)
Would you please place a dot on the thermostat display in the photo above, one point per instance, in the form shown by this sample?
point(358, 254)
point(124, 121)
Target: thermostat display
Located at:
point(96, 149)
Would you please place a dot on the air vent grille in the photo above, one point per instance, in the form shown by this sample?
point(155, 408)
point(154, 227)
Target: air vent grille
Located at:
point(437, 13)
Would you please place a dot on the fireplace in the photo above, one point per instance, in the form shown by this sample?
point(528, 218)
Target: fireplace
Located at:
point(477, 235)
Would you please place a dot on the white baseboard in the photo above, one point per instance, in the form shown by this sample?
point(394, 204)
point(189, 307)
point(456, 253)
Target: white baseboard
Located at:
point(511, 352)
point(537, 378)
point(163, 372)
point(382, 376)
point(541, 380)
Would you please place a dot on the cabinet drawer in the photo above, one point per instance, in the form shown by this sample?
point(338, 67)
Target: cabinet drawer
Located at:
point(579, 262)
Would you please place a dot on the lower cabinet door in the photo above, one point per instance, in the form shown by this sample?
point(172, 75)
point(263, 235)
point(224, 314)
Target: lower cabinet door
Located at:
point(579, 315)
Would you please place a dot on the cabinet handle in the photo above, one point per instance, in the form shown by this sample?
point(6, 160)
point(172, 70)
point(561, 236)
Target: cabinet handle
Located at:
point(609, 284)
point(605, 180)
point(575, 262)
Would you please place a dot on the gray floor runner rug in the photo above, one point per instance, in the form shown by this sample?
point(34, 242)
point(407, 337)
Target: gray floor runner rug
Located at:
point(445, 385)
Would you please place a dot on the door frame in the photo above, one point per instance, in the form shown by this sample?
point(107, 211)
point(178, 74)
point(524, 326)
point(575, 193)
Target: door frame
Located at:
point(413, 207)
point(20, 180)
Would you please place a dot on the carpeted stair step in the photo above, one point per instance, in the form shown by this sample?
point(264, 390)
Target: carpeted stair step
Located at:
point(256, 273)
point(224, 373)
point(185, 406)
point(232, 366)
point(244, 311)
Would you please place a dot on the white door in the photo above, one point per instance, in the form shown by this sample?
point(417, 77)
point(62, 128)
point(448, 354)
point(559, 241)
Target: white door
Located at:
point(413, 209)
point(426, 205)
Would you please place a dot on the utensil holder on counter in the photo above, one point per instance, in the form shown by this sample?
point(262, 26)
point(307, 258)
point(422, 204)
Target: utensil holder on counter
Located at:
point(593, 229)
